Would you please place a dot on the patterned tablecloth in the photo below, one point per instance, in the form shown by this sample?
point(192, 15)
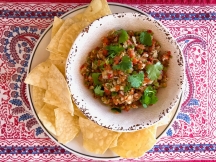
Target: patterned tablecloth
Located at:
point(192, 135)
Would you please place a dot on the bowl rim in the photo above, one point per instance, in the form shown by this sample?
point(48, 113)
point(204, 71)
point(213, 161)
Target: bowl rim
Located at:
point(85, 30)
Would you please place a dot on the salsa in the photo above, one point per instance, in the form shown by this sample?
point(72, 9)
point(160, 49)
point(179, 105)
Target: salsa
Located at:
point(127, 69)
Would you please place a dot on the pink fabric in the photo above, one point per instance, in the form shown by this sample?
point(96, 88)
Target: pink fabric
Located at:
point(191, 136)
point(184, 2)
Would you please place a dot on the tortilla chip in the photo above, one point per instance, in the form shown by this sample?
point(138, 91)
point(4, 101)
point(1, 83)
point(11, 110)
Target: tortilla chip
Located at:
point(95, 10)
point(115, 141)
point(57, 56)
point(78, 112)
point(135, 144)
point(69, 36)
point(60, 64)
point(53, 45)
point(47, 116)
point(57, 23)
point(96, 139)
point(37, 77)
point(67, 126)
point(57, 92)
point(37, 98)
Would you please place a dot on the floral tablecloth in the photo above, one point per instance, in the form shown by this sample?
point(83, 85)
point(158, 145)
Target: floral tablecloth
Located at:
point(192, 135)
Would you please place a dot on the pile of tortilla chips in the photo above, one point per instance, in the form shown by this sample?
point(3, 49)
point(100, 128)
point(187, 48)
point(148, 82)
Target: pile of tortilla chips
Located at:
point(52, 99)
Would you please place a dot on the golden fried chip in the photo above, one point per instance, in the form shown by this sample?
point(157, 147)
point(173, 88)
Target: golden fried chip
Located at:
point(57, 92)
point(95, 10)
point(67, 126)
point(57, 56)
point(96, 139)
point(47, 116)
point(37, 98)
point(115, 141)
point(57, 23)
point(53, 45)
point(70, 35)
point(37, 76)
point(135, 144)
point(78, 112)
point(60, 64)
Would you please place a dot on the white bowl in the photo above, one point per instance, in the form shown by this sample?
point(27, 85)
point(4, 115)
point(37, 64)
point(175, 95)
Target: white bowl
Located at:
point(93, 108)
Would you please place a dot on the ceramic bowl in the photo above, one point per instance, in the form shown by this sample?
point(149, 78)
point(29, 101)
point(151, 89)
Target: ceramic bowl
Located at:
point(93, 108)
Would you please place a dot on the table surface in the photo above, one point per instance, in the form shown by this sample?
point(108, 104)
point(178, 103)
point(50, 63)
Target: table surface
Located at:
point(192, 135)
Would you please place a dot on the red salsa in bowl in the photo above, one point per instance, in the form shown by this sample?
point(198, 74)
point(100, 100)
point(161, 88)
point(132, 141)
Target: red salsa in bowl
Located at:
point(126, 69)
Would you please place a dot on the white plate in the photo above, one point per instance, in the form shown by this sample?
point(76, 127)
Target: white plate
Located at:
point(40, 54)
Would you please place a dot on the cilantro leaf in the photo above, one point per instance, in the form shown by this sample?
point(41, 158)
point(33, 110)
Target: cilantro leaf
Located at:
point(154, 70)
point(127, 88)
point(149, 97)
point(145, 38)
point(113, 50)
point(116, 110)
point(136, 79)
point(124, 65)
point(98, 91)
point(95, 77)
point(123, 36)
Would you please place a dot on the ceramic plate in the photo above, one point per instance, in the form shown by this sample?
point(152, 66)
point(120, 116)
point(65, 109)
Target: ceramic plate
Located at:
point(40, 54)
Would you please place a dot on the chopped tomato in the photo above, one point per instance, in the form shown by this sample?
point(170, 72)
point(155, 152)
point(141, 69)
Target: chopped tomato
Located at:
point(105, 52)
point(117, 87)
point(135, 60)
point(131, 53)
point(105, 40)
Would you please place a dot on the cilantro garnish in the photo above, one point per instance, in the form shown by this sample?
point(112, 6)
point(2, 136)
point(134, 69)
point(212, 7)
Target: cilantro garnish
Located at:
point(123, 36)
point(127, 88)
point(136, 79)
point(124, 65)
point(95, 77)
point(98, 91)
point(146, 38)
point(154, 70)
point(113, 50)
point(116, 110)
point(149, 97)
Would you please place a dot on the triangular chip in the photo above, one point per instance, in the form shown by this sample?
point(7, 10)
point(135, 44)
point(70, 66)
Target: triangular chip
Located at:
point(57, 92)
point(57, 56)
point(53, 45)
point(95, 10)
point(78, 112)
point(96, 139)
point(135, 144)
point(67, 126)
point(57, 23)
point(115, 141)
point(37, 76)
point(60, 64)
point(37, 98)
point(47, 116)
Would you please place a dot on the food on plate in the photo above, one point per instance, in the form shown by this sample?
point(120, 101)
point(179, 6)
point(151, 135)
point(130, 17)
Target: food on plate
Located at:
point(37, 98)
point(67, 33)
point(52, 99)
point(67, 126)
point(135, 144)
point(57, 92)
point(126, 69)
point(38, 75)
point(57, 23)
point(96, 139)
point(47, 116)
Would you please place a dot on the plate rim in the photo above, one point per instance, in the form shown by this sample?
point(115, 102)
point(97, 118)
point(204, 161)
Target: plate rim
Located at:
point(29, 68)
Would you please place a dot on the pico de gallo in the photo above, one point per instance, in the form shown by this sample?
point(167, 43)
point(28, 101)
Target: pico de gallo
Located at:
point(127, 69)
